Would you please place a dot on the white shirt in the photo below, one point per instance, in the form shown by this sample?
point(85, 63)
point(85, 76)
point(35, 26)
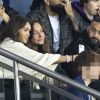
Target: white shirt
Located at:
point(45, 60)
point(54, 20)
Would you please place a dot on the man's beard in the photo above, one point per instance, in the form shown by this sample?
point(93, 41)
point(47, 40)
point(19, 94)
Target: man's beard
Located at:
point(95, 43)
point(59, 9)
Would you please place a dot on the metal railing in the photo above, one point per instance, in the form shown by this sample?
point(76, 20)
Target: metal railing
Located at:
point(49, 73)
point(42, 83)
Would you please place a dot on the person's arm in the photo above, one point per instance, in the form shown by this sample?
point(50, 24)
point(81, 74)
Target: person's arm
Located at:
point(70, 12)
point(66, 58)
point(4, 15)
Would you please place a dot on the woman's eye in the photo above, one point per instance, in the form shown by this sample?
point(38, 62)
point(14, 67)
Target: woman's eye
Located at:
point(25, 29)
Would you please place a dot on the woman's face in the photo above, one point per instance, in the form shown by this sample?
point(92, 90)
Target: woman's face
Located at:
point(24, 33)
point(38, 34)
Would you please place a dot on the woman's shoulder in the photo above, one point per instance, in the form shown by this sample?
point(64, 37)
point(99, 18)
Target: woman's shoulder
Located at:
point(11, 44)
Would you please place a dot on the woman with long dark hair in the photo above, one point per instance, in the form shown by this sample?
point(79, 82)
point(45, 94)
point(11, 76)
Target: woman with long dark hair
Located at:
point(38, 40)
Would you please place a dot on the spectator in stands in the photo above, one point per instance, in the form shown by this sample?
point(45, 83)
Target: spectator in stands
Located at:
point(87, 40)
point(38, 40)
point(91, 36)
point(87, 10)
point(91, 67)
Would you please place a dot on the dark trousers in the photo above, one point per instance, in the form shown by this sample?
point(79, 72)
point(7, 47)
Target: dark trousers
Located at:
point(7, 87)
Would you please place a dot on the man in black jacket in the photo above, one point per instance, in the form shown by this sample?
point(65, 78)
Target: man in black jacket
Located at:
point(91, 36)
point(89, 39)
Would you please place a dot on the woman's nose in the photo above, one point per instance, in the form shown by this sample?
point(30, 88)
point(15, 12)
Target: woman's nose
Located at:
point(28, 33)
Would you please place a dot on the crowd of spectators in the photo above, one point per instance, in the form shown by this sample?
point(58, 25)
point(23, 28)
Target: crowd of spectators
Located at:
point(60, 35)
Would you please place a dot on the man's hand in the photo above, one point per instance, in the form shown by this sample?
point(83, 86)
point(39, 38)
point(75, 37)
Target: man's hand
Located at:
point(69, 11)
point(4, 15)
point(67, 7)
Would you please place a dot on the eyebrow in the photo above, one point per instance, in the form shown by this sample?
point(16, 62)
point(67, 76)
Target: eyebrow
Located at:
point(95, 28)
point(27, 27)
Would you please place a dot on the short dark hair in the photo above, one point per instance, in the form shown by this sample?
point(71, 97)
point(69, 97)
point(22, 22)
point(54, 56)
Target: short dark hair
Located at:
point(86, 58)
point(82, 2)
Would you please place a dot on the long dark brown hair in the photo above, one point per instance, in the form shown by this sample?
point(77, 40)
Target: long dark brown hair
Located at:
point(13, 26)
point(45, 48)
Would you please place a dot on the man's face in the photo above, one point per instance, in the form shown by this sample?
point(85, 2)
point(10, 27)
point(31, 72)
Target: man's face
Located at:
point(94, 33)
point(92, 7)
point(90, 73)
point(56, 6)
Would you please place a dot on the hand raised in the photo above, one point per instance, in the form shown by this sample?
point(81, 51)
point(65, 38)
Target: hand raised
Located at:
point(2, 10)
point(67, 7)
